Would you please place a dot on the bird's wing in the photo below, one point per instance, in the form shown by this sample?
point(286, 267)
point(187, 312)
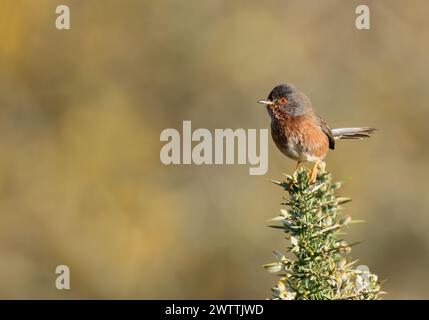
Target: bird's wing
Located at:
point(326, 130)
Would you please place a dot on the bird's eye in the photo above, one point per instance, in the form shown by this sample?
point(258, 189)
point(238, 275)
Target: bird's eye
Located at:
point(282, 100)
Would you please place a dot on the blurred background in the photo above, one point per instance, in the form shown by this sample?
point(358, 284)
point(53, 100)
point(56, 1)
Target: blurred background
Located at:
point(81, 111)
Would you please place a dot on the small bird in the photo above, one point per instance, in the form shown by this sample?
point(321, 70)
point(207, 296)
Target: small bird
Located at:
point(299, 132)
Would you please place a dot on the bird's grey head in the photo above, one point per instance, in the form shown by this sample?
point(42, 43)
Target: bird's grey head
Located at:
point(286, 98)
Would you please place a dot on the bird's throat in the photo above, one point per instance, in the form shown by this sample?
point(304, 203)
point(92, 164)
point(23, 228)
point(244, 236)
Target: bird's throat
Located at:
point(273, 110)
point(276, 113)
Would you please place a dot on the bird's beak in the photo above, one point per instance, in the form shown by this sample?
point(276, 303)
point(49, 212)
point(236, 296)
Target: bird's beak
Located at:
point(266, 102)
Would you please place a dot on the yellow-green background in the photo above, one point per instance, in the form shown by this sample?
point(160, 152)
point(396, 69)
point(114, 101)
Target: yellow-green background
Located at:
point(81, 112)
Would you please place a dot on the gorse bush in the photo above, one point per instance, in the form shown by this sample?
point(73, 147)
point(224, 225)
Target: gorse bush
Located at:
point(319, 266)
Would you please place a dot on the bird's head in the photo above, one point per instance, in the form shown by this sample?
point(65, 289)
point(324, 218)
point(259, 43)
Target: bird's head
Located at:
point(286, 98)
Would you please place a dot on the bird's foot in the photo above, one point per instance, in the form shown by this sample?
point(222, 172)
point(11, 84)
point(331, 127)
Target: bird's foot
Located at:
point(312, 179)
point(313, 174)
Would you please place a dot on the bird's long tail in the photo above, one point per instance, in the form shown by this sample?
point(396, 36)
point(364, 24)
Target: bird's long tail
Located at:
point(352, 133)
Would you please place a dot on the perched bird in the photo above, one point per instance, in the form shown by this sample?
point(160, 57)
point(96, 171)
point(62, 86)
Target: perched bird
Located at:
point(299, 132)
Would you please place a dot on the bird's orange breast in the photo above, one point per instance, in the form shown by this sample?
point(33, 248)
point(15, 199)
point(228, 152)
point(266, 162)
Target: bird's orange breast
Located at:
point(299, 137)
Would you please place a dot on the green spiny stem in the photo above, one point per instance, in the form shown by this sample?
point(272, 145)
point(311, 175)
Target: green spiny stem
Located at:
point(321, 268)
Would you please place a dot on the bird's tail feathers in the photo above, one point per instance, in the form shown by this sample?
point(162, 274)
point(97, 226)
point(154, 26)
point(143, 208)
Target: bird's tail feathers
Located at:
point(352, 133)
